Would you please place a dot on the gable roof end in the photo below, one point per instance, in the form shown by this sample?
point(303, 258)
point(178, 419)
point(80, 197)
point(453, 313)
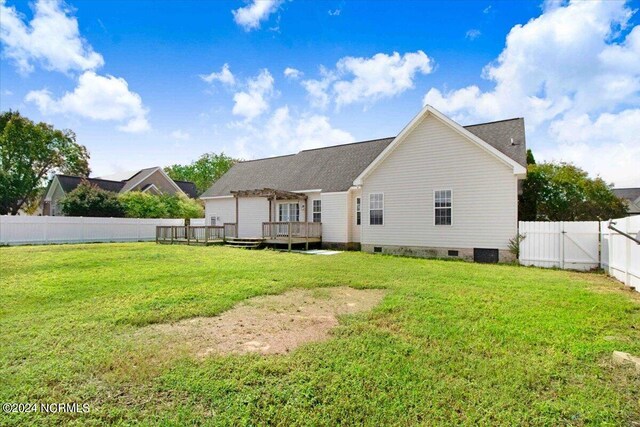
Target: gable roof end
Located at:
point(518, 169)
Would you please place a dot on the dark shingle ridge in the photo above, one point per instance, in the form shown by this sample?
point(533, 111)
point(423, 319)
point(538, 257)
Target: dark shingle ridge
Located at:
point(344, 145)
point(89, 178)
point(495, 121)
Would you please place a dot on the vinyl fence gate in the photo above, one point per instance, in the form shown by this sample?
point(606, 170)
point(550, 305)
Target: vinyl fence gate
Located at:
point(571, 245)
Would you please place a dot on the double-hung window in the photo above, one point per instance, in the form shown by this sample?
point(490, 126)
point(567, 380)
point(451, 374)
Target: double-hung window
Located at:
point(443, 206)
point(376, 209)
point(317, 211)
point(358, 211)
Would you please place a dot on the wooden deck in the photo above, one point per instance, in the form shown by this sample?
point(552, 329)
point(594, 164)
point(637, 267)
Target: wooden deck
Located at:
point(273, 233)
point(195, 235)
point(292, 233)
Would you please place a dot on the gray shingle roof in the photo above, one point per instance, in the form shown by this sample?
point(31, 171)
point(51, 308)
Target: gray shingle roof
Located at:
point(631, 194)
point(69, 183)
point(498, 134)
point(335, 168)
point(133, 181)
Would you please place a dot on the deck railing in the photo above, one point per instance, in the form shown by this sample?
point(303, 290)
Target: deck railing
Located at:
point(285, 230)
point(230, 229)
point(199, 234)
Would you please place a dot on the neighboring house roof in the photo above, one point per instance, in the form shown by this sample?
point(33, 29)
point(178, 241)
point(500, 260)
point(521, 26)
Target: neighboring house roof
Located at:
point(188, 187)
point(69, 182)
point(336, 168)
point(630, 194)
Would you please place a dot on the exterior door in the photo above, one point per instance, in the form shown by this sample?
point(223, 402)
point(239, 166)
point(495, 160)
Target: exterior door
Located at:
point(288, 212)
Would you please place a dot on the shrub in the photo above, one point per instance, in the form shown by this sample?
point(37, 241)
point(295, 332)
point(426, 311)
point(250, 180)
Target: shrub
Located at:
point(144, 205)
point(89, 200)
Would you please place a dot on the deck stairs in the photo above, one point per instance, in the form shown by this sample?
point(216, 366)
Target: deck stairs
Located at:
point(244, 242)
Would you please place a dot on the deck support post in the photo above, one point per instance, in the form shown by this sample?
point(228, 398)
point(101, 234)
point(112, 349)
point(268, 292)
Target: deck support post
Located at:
point(206, 235)
point(186, 229)
point(172, 233)
point(306, 236)
point(289, 237)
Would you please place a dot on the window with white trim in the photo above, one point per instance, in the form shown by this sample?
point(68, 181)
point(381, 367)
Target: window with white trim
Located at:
point(443, 207)
point(288, 212)
point(358, 211)
point(376, 209)
point(317, 211)
point(214, 219)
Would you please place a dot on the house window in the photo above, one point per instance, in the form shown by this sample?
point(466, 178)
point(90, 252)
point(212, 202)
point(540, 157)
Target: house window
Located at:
point(376, 209)
point(442, 203)
point(214, 219)
point(317, 211)
point(288, 212)
point(358, 213)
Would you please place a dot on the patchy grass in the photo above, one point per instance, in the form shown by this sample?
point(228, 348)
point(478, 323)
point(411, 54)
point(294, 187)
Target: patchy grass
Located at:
point(451, 342)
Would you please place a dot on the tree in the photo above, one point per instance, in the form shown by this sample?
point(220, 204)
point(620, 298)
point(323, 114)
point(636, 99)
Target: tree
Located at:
point(144, 205)
point(29, 152)
point(564, 192)
point(89, 200)
point(202, 172)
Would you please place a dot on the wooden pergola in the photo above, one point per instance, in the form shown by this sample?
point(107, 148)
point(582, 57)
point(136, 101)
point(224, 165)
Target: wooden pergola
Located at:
point(271, 194)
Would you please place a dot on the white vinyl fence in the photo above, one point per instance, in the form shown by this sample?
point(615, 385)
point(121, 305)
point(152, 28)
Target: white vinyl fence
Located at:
point(567, 245)
point(583, 245)
point(20, 230)
point(621, 255)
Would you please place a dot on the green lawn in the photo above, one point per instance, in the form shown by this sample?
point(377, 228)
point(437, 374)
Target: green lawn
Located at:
point(451, 343)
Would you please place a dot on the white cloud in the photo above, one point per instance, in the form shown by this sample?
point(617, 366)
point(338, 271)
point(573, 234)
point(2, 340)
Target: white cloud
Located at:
point(292, 73)
point(180, 135)
point(473, 34)
point(250, 16)
point(287, 132)
point(98, 98)
point(567, 72)
point(225, 76)
point(334, 12)
point(51, 38)
point(254, 100)
point(486, 9)
point(366, 80)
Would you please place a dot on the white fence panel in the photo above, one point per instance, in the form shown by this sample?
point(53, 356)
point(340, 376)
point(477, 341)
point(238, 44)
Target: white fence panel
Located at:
point(20, 230)
point(568, 245)
point(621, 255)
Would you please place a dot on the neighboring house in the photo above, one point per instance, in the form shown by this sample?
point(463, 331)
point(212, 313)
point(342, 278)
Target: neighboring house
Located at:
point(436, 189)
point(152, 180)
point(631, 197)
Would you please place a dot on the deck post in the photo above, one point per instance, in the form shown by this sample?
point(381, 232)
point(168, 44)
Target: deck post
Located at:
point(157, 231)
point(172, 233)
point(306, 235)
point(289, 237)
point(188, 232)
point(206, 235)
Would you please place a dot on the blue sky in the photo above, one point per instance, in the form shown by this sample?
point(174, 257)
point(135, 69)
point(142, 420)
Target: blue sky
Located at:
point(144, 83)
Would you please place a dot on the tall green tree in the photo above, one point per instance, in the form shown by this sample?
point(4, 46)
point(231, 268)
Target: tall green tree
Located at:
point(29, 153)
point(564, 192)
point(202, 172)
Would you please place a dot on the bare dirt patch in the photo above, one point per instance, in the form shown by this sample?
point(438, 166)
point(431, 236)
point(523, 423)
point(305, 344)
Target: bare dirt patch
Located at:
point(273, 324)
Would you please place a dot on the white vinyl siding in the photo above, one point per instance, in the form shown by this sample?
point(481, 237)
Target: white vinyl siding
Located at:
point(335, 217)
point(354, 227)
point(224, 210)
point(435, 157)
point(252, 212)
